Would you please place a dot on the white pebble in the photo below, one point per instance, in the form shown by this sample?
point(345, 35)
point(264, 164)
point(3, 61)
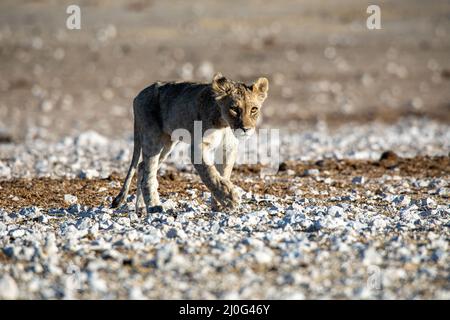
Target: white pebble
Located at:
point(8, 288)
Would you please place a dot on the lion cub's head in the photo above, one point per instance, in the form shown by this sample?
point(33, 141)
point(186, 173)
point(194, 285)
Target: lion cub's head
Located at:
point(240, 104)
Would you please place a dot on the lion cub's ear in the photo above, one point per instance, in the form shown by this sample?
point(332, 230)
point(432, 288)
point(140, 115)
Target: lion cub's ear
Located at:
point(221, 85)
point(260, 88)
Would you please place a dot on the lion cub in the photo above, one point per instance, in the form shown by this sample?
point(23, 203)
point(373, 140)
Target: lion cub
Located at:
point(226, 109)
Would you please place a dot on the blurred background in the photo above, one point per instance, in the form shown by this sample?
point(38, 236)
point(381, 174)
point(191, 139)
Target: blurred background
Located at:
point(323, 64)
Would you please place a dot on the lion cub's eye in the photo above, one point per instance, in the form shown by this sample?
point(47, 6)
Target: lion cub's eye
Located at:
point(254, 110)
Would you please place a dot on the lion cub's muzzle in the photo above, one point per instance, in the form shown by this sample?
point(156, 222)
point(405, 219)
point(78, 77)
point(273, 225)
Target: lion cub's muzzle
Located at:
point(243, 132)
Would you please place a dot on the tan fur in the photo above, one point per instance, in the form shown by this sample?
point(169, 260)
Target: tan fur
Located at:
point(222, 106)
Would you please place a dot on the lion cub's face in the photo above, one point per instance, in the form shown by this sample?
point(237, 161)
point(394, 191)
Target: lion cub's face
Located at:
point(240, 104)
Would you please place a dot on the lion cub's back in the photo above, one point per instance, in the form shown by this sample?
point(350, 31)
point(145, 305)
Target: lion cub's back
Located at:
point(180, 92)
point(179, 103)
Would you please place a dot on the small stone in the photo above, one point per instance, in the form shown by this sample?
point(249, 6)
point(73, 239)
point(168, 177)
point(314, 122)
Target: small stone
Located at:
point(313, 226)
point(379, 224)
point(96, 283)
point(74, 208)
point(251, 220)
point(10, 251)
point(172, 233)
point(401, 200)
point(50, 245)
point(89, 174)
point(28, 253)
point(294, 296)
point(5, 171)
point(32, 212)
point(283, 166)
point(444, 192)
point(105, 224)
point(290, 172)
point(358, 180)
point(389, 155)
point(135, 293)
point(389, 159)
point(8, 288)
point(133, 216)
point(169, 205)
point(335, 211)
point(165, 254)
point(117, 227)
point(124, 221)
point(83, 224)
point(93, 230)
point(263, 256)
point(152, 236)
point(3, 228)
point(132, 235)
point(234, 221)
point(70, 199)
point(43, 219)
point(91, 138)
point(372, 257)
point(17, 233)
point(428, 202)
point(215, 227)
point(311, 172)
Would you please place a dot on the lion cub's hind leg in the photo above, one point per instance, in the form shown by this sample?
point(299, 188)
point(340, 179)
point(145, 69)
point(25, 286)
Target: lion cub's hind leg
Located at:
point(169, 145)
point(151, 151)
point(140, 204)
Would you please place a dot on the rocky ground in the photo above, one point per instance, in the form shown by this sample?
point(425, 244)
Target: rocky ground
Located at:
point(330, 223)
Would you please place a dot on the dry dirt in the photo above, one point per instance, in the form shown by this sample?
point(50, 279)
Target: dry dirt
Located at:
point(49, 193)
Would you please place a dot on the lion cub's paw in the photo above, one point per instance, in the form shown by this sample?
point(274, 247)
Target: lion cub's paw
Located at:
point(215, 205)
point(155, 209)
point(230, 196)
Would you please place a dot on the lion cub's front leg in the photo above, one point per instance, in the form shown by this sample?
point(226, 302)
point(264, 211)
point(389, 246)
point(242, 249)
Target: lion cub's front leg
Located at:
point(222, 189)
point(225, 157)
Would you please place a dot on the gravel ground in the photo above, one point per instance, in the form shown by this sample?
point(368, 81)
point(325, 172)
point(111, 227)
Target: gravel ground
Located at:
point(335, 221)
point(92, 155)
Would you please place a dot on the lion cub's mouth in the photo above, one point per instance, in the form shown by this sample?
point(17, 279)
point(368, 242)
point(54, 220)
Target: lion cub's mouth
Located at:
point(240, 133)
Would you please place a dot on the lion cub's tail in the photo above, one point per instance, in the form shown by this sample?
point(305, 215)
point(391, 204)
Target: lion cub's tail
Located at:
point(134, 162)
